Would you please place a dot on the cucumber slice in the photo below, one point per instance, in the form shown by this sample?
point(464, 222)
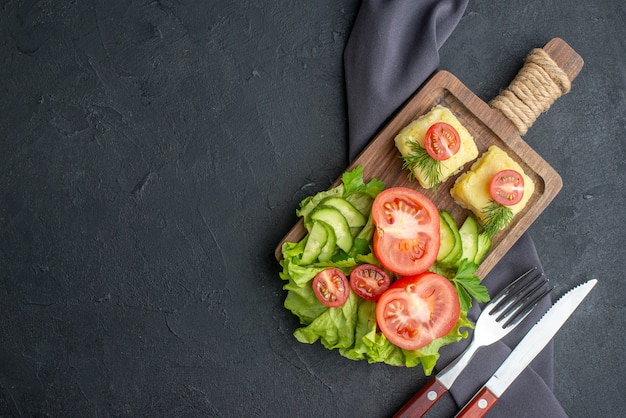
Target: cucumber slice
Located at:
point(331, 243)
point(456, 251)
point(318, 236)
point(484, 245)
point(469, 238)
point(353, 216)
point(338, 223)
point(446, 239)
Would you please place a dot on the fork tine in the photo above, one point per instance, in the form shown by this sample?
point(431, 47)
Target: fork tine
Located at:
point(523, 313)
point(503, 297)
point(511, 286)
point(520, 296)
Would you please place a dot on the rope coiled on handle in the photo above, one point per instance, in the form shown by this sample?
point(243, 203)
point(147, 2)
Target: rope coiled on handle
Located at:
point(537, 85)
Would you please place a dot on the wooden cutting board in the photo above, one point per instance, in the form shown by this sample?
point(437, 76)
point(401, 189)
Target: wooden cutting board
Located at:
point(489, 126)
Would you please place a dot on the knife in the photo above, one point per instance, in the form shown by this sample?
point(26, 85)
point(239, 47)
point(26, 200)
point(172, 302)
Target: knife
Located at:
point(537, 338)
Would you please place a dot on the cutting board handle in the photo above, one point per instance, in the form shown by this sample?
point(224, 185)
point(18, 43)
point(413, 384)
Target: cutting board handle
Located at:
point(546, 75)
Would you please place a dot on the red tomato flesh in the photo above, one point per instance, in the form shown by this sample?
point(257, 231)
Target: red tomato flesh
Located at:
point(418, 309)
point(406, 237)
point(331, 287)
point(507, 187)
point(442, 141)
point(369, 281)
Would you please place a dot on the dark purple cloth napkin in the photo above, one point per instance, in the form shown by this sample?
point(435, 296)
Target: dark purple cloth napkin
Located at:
point(392, 49)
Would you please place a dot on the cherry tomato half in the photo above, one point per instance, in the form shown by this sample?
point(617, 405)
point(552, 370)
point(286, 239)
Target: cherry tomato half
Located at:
point(507, 187)
point(418, 309)
point(331, 287)
point(442, 141)
point(369, 281)
point(406, 237)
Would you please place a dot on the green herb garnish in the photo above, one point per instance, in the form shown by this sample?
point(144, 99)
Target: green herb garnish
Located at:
point(419, 158)
point(497, 217)
point(468, 285)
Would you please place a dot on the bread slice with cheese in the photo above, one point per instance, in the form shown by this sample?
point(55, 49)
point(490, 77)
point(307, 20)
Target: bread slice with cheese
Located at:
point(414, 132)
point(471, 189)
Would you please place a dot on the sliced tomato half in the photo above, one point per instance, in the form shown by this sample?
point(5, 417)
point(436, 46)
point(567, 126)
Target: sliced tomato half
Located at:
point(442, 141)
point(369, 281)
point(418, 309)
point(507, 187)
point(406, 237)
point(331, 287)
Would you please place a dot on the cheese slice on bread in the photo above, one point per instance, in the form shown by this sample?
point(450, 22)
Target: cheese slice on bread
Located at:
point(413, 135)
point(471, 189)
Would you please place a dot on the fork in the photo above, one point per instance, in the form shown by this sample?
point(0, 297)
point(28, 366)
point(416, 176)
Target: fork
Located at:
point(499, 317)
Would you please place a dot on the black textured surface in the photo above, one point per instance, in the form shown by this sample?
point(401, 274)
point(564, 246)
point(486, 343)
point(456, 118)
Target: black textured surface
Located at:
point(152, 155)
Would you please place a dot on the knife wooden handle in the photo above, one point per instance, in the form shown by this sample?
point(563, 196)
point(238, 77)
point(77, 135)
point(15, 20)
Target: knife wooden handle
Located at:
point(423, 400)
point(480, 404)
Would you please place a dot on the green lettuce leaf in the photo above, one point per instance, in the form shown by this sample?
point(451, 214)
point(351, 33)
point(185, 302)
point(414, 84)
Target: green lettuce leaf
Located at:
point(353, 183)
point(301, 301)
point(311, 202)
point(334, 327)
point(298, 274)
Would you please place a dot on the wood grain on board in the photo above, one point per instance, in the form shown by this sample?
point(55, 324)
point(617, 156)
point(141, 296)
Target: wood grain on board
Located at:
point(381, 159)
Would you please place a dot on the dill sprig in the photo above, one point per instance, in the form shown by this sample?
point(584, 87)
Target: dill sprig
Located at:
point(419, 158)
point(497, 217)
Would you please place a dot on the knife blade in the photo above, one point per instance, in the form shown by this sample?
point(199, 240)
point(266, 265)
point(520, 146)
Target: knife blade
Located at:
point(537, 338)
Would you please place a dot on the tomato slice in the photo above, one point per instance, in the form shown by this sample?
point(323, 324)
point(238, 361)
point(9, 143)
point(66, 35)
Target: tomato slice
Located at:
point(369, 281)
point(442, 141)
point(507, 187)
point(406, 238)
point(331, 287)
point(418, 309)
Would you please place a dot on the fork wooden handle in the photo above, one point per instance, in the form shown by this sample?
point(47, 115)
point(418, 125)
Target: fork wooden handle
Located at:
point(423, 400)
